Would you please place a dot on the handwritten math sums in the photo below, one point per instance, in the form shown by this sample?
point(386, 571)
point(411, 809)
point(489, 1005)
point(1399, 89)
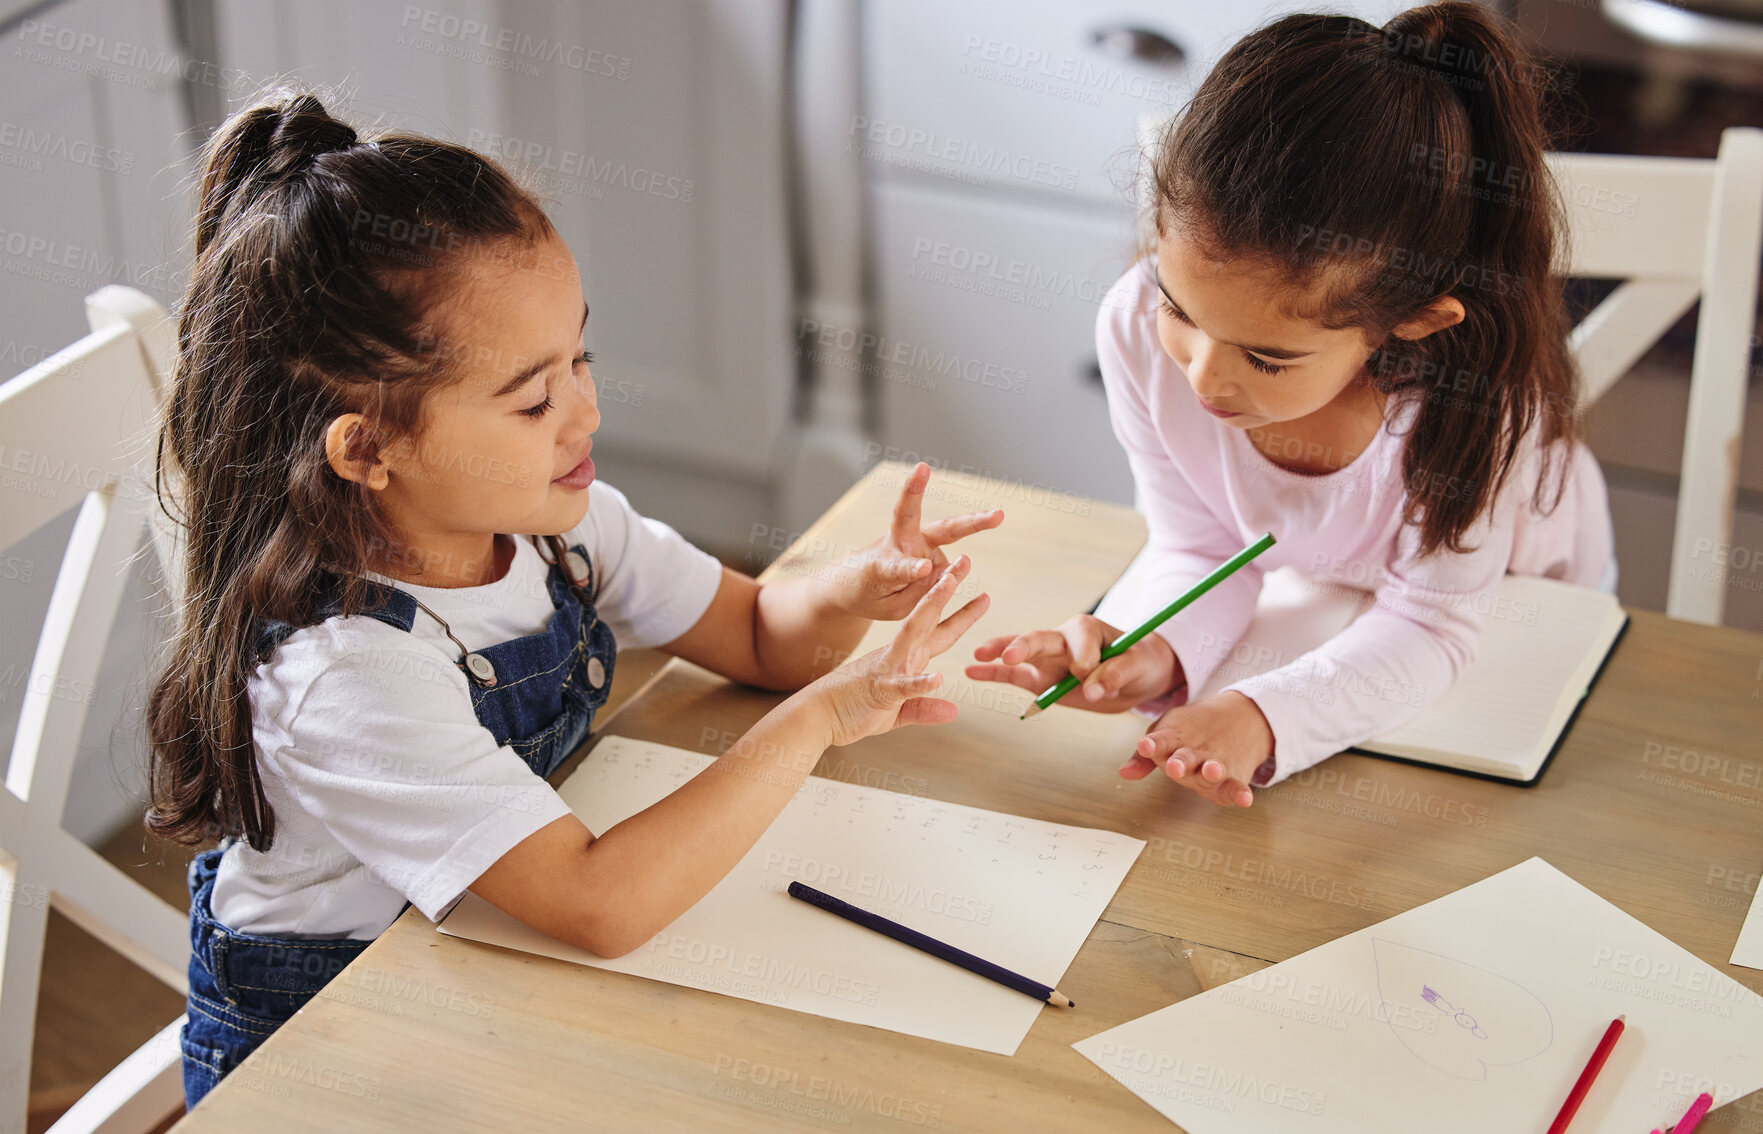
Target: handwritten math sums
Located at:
point(1476, 1019)
point(990, 852)
point(619, 766)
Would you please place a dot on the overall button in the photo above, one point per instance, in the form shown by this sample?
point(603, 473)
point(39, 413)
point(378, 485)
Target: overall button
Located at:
point(578, 567)
point(596, 673)
point(481, 668)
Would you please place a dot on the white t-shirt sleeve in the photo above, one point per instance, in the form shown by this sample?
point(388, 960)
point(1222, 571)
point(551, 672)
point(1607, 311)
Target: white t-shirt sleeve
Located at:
point(653, 584)
point(383, 748)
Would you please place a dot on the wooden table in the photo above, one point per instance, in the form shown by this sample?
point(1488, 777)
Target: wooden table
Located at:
point(1655, 801)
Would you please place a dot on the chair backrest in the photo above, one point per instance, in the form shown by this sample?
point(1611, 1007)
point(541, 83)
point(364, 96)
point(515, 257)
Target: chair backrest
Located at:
point(75, 430)
point(1674, 230)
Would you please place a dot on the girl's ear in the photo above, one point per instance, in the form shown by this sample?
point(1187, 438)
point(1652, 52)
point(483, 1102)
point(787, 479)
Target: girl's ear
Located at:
point(1445, 311)
point(353, 453)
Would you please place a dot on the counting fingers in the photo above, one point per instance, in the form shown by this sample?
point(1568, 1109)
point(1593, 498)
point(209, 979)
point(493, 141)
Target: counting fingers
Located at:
point(1034, 646)
point(989, 649)
point(917, 628)
point(1137, 767)
point(1029, 677)
point(950, 629)
point(909, 508)
point(960, 527)
point(902, 571)
point(1159, 745)
point(1110, 677)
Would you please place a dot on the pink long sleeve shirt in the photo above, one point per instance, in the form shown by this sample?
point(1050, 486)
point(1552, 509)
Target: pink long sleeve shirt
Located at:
point(1206, 492)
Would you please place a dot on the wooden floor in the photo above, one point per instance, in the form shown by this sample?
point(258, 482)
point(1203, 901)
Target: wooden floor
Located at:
point(95, 1007)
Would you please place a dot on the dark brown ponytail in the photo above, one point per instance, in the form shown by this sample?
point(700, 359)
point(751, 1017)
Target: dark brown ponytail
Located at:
point(316, 254)
point(1392, 167)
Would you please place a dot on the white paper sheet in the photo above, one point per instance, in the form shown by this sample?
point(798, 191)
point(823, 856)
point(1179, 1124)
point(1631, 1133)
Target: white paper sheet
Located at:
point(1472, 1013)
point(1749, 950)
point(1019, 892)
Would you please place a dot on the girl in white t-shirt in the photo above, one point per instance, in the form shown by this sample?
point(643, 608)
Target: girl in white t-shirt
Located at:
point(379, 376)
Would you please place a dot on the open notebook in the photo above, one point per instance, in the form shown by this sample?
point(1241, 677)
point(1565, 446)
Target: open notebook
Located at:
point(1542, 645)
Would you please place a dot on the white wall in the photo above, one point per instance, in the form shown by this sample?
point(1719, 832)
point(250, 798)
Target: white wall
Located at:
point(93, 185)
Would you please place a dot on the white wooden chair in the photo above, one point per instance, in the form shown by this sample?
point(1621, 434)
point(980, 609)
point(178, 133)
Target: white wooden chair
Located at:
point(1674, 230)
point(76, 429)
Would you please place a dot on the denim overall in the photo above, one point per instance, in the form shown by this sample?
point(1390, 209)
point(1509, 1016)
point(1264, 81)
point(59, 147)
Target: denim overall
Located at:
point(537, 694)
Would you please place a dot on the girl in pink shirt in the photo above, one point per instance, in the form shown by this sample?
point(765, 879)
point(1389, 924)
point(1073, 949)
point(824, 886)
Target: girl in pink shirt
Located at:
point(1347, 336)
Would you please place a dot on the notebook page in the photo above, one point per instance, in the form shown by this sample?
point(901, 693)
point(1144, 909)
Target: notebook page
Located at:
point(1541, 643)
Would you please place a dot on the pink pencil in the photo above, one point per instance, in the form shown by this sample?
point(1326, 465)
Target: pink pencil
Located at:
point(1693, 1116)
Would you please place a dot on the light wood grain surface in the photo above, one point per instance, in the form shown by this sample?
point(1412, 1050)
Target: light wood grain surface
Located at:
point(1655, 801)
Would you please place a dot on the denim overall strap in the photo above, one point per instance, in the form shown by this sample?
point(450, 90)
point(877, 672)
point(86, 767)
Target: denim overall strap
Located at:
point(541, 703)
point(390, 605)
point(548, 685)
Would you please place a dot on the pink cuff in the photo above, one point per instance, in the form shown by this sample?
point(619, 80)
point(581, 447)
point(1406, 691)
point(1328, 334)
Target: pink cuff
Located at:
point(1270, 708)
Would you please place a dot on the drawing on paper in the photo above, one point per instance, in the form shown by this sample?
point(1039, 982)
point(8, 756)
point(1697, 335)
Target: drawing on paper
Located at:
point(1458, 1018)
point(1461, 1019)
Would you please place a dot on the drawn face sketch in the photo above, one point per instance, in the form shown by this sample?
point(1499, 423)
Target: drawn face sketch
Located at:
point(1455, 1017)
point(1461, 1019)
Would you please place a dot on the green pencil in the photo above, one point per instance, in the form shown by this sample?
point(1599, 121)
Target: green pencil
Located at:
point(1125, 642)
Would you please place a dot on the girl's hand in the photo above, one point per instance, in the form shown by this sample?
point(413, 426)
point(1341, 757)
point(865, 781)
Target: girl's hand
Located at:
point(1212, 747)
point(887, 579)
point(1039, 658)
point(886, 687)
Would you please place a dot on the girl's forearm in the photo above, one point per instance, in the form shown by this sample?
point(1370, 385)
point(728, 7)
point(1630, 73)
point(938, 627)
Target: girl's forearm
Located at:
point(643, 873)
point(800, 632)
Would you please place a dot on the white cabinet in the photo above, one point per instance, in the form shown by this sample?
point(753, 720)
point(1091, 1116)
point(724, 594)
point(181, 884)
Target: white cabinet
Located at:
point(1040, 96)
point(988, 358)
point(681, 232)
point(999, 143)
point(1036, 96)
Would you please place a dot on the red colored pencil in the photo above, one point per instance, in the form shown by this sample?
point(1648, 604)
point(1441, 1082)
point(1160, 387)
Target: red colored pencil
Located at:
point(1577, 1095)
